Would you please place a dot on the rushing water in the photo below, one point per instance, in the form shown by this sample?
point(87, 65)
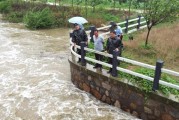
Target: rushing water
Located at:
point(35, 79)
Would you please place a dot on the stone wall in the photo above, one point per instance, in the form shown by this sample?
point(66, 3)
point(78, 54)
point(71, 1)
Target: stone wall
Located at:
point(120, 94)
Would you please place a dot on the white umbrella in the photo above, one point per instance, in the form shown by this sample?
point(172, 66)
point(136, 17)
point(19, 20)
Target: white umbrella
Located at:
point(78, 20)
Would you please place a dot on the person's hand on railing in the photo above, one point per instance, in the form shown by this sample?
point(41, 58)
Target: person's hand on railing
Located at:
point(117, 49)
point(87, 44)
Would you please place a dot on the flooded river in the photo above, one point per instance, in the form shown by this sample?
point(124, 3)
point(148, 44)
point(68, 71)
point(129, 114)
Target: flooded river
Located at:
point(35, 79)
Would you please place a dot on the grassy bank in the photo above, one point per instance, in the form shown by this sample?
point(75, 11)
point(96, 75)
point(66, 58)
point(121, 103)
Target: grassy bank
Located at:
point(103, 3)
point(164, 45)
point(22, 11)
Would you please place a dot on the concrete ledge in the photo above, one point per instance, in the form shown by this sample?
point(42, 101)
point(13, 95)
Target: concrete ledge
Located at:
point(119, 93)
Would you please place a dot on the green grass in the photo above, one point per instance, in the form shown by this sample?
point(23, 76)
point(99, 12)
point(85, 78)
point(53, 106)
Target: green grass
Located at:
point(145, 85)
point(16, 11)
point(103, 4)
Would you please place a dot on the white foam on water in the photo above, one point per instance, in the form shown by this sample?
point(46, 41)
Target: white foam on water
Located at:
point(35, 80)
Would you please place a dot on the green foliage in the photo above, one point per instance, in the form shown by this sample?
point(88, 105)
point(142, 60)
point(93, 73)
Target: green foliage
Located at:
point(159, 11)
point(110, 17)
point(147, 85)
point(5, 6)
point(91, 46)
point(15, 17)
point(143, 84)
point(39, 19)
point(148, 47)
point(168, 90)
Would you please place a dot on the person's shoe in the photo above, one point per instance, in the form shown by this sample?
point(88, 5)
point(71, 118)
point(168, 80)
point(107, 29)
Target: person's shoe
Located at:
point(109, 71)
point(95, 67)
point(100, 68)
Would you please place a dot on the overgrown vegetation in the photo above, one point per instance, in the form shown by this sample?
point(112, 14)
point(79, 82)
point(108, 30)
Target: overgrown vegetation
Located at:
point(31, 14)
point(39, 19)
point(145, 85)
point(164, 42)
point(162, 46)
point(5, 6)
point(159, 11)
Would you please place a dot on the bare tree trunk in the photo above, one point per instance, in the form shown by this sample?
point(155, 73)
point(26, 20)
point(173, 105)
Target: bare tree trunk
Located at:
point(147, 38)
point(72, 5)
point(86, 9)
point(59, 1)
point(130, 8)
point(55, 2)
point(114, 4)
point(120, 2)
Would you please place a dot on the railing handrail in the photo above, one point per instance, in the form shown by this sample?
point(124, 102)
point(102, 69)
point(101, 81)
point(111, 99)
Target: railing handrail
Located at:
point(167, 71)
point(123, 28)
point(126, 70)
point(108, 26)
point(163, 70)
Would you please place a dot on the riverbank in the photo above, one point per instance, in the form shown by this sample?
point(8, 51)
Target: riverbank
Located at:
point(163, 45)
point(35, 80)
point(18, 12)
point(159, 47)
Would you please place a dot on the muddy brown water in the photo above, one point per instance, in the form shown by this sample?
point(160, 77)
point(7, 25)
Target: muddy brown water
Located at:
point(35, 79)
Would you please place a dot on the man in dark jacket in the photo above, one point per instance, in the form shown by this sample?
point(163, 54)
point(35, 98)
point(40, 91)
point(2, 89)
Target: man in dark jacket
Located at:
point(113, 44)
point(79, 35)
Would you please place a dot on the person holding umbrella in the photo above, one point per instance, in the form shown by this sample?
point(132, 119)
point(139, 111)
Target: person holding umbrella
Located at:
point(78, 36)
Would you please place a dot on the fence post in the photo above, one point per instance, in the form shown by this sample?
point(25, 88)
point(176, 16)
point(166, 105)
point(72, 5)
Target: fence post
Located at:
point(92, 28)
point(114, 63)
point(83, 53)
point(159, 65)
point(138, 21)
point(126, 25)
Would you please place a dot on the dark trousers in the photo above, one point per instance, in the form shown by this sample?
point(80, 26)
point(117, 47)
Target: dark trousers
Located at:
point(79, 53)
point(110, 61)
point(98, 57)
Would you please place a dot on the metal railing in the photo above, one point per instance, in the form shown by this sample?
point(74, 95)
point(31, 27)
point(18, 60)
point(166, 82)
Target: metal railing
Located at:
point(174, 73)
point(139, 23)
point(158, 68)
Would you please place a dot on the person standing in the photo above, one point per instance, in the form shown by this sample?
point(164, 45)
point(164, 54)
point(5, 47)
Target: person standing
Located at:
point(113, 44)
point(98, 46)
point(78, 36)
point(117, 29)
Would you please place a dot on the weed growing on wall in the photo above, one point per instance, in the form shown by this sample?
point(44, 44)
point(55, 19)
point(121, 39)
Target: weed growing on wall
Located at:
point(145, 85)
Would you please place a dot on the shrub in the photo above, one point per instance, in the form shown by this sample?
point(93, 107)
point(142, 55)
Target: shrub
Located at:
point(5, 6)
point(110, 17)
point(39, 19)
point(15, 17)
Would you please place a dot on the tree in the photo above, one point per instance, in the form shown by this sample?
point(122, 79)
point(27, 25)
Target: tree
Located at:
point(130, 3)
point(114, 4)
point(159, 11)
point(72, 2)
point(94, 3)
point(86, 8)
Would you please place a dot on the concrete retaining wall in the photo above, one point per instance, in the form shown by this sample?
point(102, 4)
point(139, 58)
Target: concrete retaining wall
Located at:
point(120, 94)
